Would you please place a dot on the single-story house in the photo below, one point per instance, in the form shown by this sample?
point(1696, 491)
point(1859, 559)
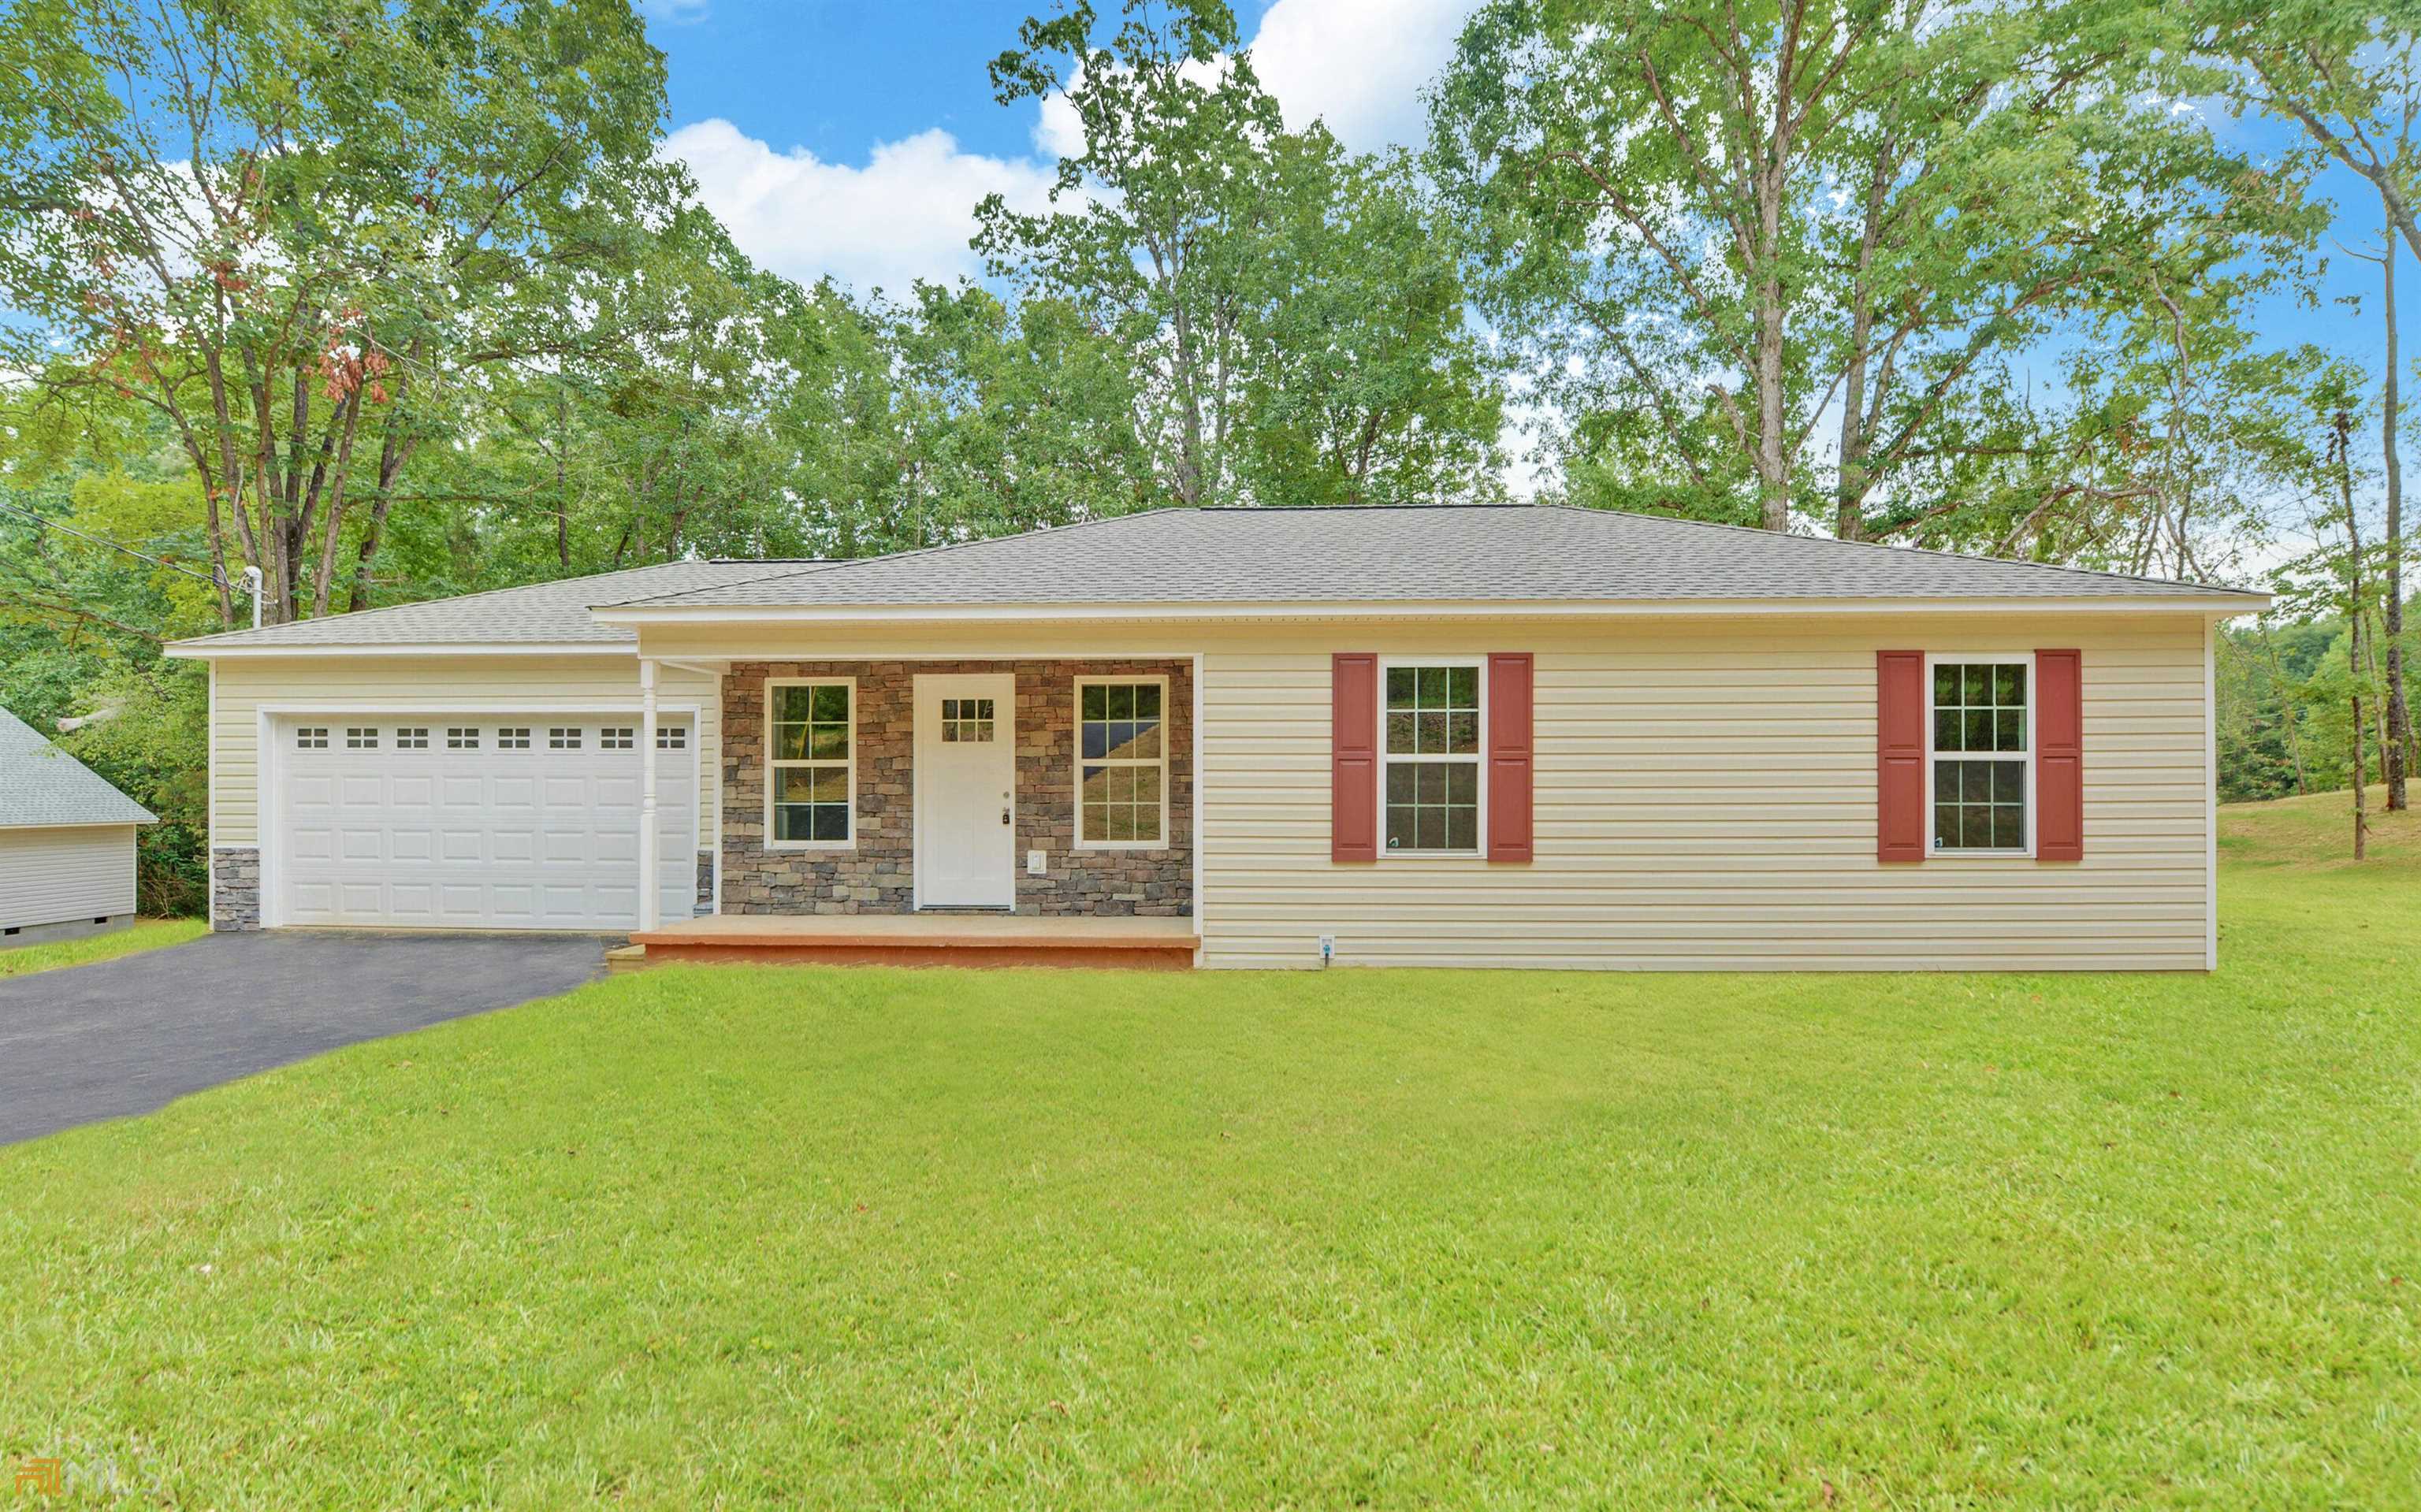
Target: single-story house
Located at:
point(67, 842)
point(1452, 736)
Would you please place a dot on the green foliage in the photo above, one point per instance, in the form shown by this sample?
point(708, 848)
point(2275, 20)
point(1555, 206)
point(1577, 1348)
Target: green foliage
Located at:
point(1719, 233)
point(1293, 315)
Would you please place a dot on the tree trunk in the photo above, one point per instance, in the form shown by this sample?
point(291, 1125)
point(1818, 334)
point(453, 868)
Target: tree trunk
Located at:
point(2400, 717)
point(2361, 814)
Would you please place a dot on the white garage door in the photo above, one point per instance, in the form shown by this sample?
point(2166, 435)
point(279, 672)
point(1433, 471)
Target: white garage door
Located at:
point(526, 822)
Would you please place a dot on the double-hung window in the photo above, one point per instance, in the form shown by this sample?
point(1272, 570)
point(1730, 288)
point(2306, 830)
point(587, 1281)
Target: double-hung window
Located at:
point(1981, 765)
point(810, 756)
point(1122, 751)
point(1431, 749)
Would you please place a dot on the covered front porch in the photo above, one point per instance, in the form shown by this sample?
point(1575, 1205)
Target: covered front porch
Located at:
point(925, 939)
point(977, 790)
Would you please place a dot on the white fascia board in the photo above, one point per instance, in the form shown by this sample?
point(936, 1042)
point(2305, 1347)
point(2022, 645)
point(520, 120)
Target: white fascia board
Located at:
point(1416, 609)
point(204, 651)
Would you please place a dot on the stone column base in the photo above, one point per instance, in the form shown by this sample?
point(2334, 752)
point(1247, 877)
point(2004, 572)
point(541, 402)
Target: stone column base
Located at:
point(235, 887)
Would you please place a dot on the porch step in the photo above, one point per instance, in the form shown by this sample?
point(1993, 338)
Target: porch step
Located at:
point(928, 940)
point(625, 959)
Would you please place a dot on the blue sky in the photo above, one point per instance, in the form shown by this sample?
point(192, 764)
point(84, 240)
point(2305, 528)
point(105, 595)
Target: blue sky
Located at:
point(842, 137)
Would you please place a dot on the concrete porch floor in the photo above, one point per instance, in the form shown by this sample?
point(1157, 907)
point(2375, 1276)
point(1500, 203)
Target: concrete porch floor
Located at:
point(931, 939)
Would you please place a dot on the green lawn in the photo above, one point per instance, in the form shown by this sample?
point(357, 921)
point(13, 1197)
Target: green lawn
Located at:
point(143, 934)
point(734, 1237)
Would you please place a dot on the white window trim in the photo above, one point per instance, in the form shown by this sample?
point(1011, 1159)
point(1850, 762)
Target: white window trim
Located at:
point(1076, 771)
point(2025, 761)
point(1478, 759)
point(771, 767)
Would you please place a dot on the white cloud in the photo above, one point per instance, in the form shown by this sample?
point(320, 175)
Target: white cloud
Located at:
point(673, 12)
point(906, 214)
point(1358, 65)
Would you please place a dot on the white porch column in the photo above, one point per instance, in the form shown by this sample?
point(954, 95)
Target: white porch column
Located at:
point(650, 890)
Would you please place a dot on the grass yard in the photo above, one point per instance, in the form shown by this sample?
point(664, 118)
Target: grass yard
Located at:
point(765, 1237)
point(143, 934)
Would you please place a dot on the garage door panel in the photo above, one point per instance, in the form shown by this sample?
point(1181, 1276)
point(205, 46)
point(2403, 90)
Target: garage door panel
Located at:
point(457, 835)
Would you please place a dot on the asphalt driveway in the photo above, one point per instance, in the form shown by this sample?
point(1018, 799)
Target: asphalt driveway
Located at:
point(124, 1037)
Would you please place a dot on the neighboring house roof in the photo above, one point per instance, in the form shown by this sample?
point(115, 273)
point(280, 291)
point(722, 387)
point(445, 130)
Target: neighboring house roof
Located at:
point(43, 786)
point(1406, 553)
point(538, 613)
point(1402, 553)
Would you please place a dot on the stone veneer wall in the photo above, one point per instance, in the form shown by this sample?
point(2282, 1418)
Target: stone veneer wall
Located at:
point(879, 876)
point(235, 888)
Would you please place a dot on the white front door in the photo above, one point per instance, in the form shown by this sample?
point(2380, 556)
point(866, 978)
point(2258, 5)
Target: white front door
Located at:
point(966, 790)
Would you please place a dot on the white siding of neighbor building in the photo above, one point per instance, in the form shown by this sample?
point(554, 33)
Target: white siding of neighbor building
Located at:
point(57, 876)
point(430, 684)
point(1705, 801)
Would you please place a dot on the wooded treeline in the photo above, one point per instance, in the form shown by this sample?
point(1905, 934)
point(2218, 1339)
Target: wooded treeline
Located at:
point(394, 299)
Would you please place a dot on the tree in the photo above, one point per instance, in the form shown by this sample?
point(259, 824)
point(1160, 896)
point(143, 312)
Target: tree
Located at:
point(2349, 76)
point(299, 231)
point(1294, 332)
point(1716, 229)
point(1374, 387)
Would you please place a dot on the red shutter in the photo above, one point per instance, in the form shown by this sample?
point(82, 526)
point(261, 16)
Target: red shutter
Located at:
point(1509, 755)
point(2060, 756)
point(1354, 758)
point(1899, 755)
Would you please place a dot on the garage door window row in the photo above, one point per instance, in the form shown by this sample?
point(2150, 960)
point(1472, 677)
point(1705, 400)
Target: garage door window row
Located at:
point(509, 736)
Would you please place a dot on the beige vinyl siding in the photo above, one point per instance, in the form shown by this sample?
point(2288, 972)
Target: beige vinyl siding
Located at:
point(57, 876)
point(436, 684)
point(1706, 800)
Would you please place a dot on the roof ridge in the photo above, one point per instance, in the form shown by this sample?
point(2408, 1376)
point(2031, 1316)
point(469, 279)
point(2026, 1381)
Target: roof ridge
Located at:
point(1887, 546)
point(358, 614)
point(931, 550)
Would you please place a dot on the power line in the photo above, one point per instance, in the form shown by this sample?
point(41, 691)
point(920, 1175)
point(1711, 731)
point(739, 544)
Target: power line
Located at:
point(48, 523)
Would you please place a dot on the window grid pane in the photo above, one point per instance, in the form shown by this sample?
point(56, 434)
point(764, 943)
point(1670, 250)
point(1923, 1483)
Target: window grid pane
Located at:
point(808, 760)
point(1979, 806)
point(1432, 710)
point(1122, 743)
point(1979, 714)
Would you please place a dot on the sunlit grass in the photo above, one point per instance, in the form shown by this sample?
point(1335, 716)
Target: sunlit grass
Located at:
point(781, 1237)
point(143, 934)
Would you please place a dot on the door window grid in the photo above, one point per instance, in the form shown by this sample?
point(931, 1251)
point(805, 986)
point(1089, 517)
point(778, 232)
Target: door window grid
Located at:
point(967, 719)
point(461, 738)
point(672, 736)
point(617, 738)
point(361, 737)
point(411, 737)
point(563, 737)
point(311, 738)
point(512, 737)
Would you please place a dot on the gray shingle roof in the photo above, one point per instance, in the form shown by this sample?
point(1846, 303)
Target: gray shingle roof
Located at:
point(40, 785)
point(1508, 552)
point(1512, 552)
point(540, 614)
